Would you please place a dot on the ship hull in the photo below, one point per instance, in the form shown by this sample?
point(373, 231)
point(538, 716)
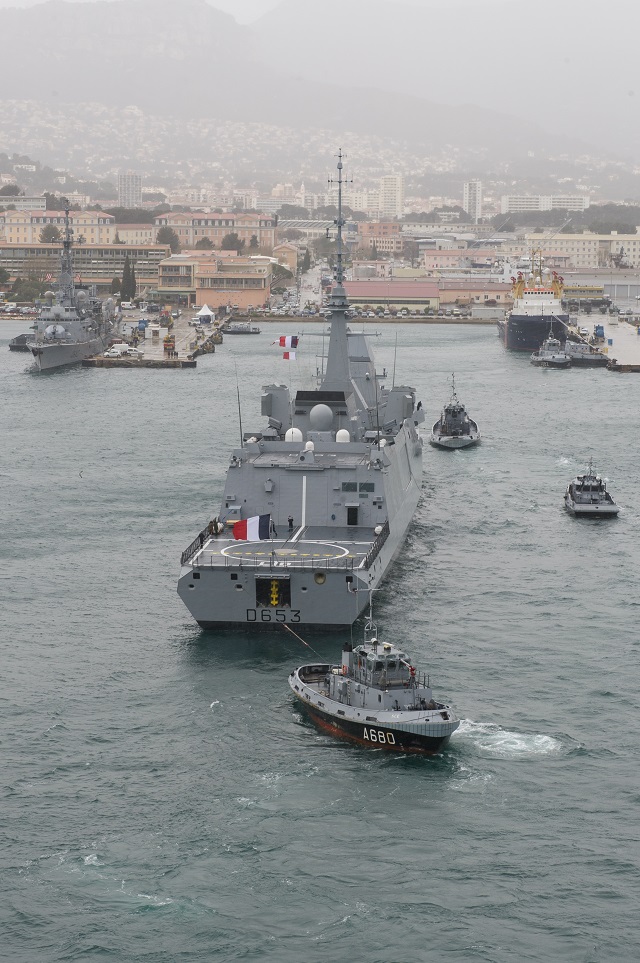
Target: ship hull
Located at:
point(48, 357)
point(527, 332)
point(409, 732)
point(329, 594)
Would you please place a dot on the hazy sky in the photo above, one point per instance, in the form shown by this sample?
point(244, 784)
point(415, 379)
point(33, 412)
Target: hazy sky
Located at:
point(246, 10)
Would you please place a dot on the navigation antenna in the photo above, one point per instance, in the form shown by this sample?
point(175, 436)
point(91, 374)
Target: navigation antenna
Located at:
point(66, 287)
point(339, 221)
point(239, 408)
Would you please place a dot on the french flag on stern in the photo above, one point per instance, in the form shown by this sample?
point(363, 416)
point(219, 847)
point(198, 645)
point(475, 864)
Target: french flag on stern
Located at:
point(255, 529)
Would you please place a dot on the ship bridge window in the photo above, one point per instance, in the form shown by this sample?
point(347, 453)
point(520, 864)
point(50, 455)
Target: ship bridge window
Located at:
point(366, 487)
point(349, 487)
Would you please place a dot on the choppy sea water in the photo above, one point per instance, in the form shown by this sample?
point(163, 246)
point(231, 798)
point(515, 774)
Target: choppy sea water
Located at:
point(163, 797)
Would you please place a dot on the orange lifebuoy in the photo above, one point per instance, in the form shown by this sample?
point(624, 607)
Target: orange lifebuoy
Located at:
point(344, 670)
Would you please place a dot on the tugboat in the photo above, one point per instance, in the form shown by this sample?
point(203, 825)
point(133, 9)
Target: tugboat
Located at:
point(585, 355)
point(587, 496)
point(454, 428)
point(550, 354)
point(375, 697)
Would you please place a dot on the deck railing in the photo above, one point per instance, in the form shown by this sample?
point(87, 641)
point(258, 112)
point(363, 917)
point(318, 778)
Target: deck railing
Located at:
point(374, 551)
point(275, 563)
point(195, 546)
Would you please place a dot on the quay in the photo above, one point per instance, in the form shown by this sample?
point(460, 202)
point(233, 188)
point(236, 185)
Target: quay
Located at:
point(102, 362)
point(189, 343)
point(621, 339)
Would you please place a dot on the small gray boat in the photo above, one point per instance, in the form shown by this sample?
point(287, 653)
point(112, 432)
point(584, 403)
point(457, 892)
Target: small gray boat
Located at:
point(551, 354)
point(454, 428)
point(21, 342)
point(587, 496)
point(376, 698)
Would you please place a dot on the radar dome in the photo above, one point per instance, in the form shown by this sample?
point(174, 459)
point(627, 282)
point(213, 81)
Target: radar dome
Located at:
point(321, 417)
point(309, 446)
point(81, 296)
point(343, 435)
point(293, 434)
point(49, 294)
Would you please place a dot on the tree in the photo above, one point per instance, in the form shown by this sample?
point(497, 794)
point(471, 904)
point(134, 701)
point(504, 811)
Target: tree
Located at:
point(327, 211)
point(115, 285)
point(133, 283)
point(306, 261)
point(49, 233)
point(253, 243)
point(167, 235)
point(9, 190)
point(126, 292)
point(231, 242)
point(291, 234)
point(293, 212)
point(4, 275)
point(117, 239)
point(204, 244)
point(374, 252)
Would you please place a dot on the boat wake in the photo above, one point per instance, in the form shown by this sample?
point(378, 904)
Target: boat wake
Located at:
point(500, 743)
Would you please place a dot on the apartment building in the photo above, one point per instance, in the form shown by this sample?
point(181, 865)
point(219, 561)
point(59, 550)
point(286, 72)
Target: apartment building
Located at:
point(392, 195)
point(202, 277)
point(25, 227)
point(191, 228)
point(386, 236)
point(472, 199)
point(129, 190)
point(23, 203)
point(521, 203)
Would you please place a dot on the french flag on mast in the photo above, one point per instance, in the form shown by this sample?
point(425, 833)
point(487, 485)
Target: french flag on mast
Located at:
point(288, 342)
point(255, 529)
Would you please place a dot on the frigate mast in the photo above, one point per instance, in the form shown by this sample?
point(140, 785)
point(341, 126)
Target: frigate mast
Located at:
point(337, 376)
point(66, 288)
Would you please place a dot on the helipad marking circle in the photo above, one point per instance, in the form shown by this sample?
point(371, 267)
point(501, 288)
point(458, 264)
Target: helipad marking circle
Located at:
point(246, 550)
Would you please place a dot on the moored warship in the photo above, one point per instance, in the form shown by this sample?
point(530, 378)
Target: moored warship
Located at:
point(320, 498)
point(70, 327)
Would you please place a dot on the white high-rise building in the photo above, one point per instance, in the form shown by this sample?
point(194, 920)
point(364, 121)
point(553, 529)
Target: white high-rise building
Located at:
point(391, 196)
point(472, 199)
point(129, 190)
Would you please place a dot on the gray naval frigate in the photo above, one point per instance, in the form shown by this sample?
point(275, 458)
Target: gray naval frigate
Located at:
point(338, 472)
point(71, 326)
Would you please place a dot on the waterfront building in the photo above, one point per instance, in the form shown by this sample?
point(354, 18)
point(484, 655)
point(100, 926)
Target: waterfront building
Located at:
point(590, 250)
point(93, 263)
point(202, 277)
point(414, 295)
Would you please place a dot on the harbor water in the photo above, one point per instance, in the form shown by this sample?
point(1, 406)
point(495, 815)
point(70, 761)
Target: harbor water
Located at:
point(164, 799)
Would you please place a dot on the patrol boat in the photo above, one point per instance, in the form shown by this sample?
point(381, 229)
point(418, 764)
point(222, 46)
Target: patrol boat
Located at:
point(375, 697)
point(587, 496)
point(70, 327)
point(454, 428)
point(322, 495)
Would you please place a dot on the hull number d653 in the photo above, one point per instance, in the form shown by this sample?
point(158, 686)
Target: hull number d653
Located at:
point(273, 615)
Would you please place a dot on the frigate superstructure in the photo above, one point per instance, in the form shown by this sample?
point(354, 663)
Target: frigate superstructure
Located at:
point(337, 470)
point(71, 326)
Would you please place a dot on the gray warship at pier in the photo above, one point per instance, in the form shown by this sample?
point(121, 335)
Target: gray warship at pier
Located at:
point(71, 326)
point(339, 472)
